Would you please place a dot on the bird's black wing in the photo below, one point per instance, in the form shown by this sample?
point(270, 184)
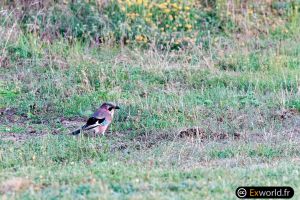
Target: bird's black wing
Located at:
point(92, 122)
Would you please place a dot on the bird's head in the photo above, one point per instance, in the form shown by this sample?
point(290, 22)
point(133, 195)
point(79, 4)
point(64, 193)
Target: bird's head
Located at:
point(110, 107)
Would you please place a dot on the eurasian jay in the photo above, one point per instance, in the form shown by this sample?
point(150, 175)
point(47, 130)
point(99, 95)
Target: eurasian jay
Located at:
point(100, 120)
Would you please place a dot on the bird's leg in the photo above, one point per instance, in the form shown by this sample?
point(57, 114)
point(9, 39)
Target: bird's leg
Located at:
point(95, 132)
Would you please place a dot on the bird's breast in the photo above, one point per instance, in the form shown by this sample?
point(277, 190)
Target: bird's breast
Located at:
point(101, 129)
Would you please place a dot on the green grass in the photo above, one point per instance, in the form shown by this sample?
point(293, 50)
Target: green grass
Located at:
point(64, 167)
point(251, 90)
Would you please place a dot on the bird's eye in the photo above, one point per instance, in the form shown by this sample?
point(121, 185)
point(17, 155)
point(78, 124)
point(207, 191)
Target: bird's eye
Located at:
point(110, 108)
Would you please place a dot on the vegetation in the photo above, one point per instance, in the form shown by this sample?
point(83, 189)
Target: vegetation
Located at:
point(209, 93)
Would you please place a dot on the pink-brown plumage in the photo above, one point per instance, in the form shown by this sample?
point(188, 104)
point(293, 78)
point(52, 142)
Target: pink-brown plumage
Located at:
point(100, 120)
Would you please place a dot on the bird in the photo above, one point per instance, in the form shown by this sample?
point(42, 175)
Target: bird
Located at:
point(100, 120)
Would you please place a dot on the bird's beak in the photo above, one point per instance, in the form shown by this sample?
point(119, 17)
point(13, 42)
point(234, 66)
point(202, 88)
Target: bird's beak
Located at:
point(117, 107)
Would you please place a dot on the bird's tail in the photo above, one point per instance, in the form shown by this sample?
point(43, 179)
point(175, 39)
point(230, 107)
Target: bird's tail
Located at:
point(76, 132)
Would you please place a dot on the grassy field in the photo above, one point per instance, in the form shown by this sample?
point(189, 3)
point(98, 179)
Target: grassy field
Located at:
point(194, 123)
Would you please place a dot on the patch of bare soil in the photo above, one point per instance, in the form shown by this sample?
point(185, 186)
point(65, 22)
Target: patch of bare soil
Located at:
point(285, 114)
point(20, 137)
point(150, 139)
point(290, 119)
point(202, 134)
point(9, 115)
point(15, 184)
point(193, 133)
point(72, 123)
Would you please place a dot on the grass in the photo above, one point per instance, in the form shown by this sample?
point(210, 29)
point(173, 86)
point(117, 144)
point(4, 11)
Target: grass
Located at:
point(244, 101)
point(63, 167)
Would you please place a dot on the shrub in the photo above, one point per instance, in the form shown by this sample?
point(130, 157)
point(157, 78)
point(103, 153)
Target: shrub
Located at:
point(172, 23)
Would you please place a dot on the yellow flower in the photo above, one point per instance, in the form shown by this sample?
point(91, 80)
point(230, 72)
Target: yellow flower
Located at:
point(187, 8)
point(250, 11)
point(188, 26)
point(175, 6)
point(130, 15)
point(128, 2)
point(148, 20)
point(162, 5)
point(167, 10)
point(139, 2)
point(138, 38)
